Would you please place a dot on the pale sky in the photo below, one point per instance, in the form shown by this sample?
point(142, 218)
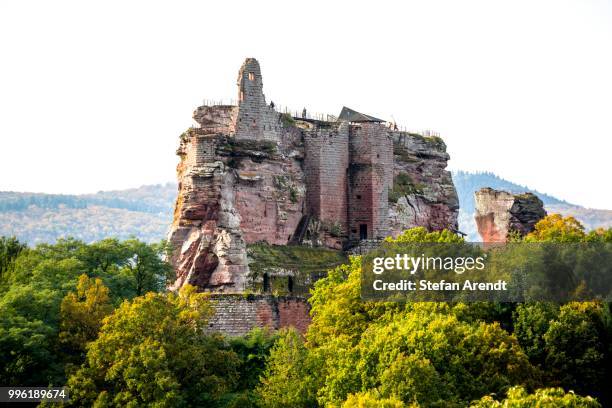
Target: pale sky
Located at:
point(93, 96)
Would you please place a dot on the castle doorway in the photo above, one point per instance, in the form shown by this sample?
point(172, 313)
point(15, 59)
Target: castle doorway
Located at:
point(363, 231)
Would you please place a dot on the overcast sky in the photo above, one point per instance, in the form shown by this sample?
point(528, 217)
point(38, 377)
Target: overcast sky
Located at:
point(93, 96)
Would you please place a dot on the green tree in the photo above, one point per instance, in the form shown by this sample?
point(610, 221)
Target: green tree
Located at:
point(39, 278)
point(577, 347)
point(531, 322)
point(555, 227)
point(82, 312)
point(290, 378)
point(9, 249)
point(154, 351)
point(146, 268)
point(370, 400)
point(518, 397)
point(253, 350)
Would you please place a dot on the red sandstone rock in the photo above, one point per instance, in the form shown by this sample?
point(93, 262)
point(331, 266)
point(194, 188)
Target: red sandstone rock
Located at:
point(498, 213)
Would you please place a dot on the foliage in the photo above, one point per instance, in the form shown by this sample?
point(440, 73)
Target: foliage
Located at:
point(154, 351)
point(577, 348)
point(253, 350)
point(9, 249)
point(82, 312)
point(333, 228)
point(56, 321)
point(403, 186)
point(369, 400)
point(557, 228)
point(416, 353)
point(531, 322)
point(290, 378)
point(542, 398)
point(420, 234)
point(572, 343)
point(33, 289)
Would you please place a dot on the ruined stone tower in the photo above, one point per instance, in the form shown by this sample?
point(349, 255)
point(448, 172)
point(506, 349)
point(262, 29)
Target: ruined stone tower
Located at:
point(256, 119)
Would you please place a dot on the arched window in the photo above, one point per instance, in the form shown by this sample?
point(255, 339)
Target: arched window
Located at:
point(251, 76)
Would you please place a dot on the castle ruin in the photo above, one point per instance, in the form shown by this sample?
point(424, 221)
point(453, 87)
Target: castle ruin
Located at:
point(250, 175)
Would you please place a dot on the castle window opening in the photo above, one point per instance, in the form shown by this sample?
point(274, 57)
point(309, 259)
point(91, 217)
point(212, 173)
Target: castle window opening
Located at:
point(359, 196)
point(251, 76)
point(290, 284)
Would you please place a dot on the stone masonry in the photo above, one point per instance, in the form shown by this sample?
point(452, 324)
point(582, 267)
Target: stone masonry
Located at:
point(237, 314)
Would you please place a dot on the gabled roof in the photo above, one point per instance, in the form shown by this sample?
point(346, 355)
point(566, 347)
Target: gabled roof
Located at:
point(350, 115)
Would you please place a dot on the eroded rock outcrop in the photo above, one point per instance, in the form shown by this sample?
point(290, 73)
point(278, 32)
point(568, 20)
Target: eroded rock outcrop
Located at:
point(499, 213)
point(423, 192)
point(250, 175)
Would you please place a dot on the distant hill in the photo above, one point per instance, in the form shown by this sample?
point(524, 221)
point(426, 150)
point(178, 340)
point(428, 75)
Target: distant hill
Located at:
point(146, 212)
point(467, 183)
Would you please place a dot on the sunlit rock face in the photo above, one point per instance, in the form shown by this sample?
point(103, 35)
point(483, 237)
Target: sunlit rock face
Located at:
point(499, 213)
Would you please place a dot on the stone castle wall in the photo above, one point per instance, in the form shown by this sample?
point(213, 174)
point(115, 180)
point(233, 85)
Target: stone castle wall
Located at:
point(325, 166)
point(235, 315)
point(370, 175)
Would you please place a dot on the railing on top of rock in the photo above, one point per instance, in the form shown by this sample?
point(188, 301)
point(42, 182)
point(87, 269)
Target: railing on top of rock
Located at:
point(298, 114)
point(219, 102)
point(425, 133)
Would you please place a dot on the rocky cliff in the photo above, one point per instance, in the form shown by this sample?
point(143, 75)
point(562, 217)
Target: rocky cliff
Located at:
point(499, 213)
point(423, 193)
point(250, 176)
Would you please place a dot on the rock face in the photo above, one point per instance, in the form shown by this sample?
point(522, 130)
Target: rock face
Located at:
point(498, 213)
point(423, 192)
point(249, 174)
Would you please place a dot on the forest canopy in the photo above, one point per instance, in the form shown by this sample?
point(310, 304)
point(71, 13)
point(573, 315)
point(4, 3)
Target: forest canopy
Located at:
point(97, 318)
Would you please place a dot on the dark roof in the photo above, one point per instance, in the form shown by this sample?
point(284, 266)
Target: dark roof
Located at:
point(350, 115)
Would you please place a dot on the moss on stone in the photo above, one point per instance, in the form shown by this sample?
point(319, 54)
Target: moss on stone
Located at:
point(300, 259)
point(404, 185)
point(287, 120)
point(248, 147)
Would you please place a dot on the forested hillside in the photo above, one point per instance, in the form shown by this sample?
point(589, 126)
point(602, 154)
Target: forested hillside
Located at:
point(143, 212)
point(146, 212)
